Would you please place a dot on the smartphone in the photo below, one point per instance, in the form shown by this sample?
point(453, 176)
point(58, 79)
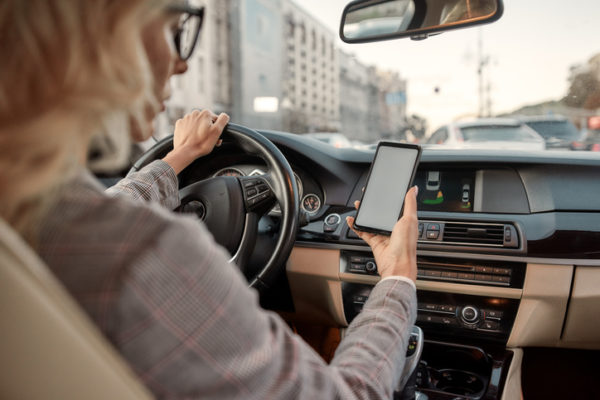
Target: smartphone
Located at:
point(390, 177)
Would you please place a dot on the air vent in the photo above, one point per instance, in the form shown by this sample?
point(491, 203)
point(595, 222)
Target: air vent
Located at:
point(469, 234)
point(491, 235)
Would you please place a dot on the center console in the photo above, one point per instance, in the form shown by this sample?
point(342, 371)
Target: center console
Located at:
point(466, 309)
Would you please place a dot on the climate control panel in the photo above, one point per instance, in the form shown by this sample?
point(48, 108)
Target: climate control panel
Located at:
point(466, 316)
point(452, 314)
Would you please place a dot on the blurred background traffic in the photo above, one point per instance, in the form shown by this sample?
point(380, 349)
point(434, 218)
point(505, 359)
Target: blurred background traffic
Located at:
point(280, 65)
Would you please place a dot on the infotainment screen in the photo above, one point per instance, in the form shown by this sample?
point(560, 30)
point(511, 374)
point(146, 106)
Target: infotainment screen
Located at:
point(445, 190)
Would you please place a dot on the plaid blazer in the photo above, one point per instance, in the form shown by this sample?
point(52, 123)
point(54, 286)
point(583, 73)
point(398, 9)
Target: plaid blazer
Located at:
point(164, 294)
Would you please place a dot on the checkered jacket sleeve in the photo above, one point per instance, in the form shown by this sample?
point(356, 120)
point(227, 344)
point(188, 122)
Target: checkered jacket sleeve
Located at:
point(156, 182)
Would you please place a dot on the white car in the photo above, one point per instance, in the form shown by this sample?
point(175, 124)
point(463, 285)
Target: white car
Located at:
point(491, 133)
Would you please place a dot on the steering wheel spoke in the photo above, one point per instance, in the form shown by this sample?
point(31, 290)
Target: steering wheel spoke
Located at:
point(259, 196)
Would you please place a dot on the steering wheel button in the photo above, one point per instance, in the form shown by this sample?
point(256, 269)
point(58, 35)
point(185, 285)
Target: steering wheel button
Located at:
point(262, 188)
point(251, 192)
point(249, 184)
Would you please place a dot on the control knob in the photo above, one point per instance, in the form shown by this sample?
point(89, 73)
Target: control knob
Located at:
point(470, 315)
point(371, 267)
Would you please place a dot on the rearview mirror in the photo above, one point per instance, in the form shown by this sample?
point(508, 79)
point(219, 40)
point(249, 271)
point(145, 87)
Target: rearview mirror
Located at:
point(375, 20)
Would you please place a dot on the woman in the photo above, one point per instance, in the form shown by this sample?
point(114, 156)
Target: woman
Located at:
point(155, 283)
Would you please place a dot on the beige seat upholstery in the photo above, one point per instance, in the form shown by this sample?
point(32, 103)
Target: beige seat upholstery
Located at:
point(48, 347)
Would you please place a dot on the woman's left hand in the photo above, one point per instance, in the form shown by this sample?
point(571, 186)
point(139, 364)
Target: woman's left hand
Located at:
point(196, 134)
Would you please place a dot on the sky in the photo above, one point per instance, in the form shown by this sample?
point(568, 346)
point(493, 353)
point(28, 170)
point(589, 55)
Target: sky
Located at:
point(531, 49)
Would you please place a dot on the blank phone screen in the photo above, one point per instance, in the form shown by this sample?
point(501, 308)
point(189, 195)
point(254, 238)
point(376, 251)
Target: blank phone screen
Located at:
point(387, 185)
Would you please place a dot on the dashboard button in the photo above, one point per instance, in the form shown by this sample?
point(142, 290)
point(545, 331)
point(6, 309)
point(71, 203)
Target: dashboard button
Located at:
point(490, 326)
point(433, 227)
point(484, 270)
point(333, 219)
point(359, 299)
point(502, 271)
point(448, 321)
point(371, 267)
point(493, 314)
point(466, 276)
point(357, 268)
point(433, 234)
point(501, 279)
point(432, 273)
point(470, 314)
point(448, 309)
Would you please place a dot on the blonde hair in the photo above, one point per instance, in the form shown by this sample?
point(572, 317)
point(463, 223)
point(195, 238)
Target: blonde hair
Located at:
point(69, 70)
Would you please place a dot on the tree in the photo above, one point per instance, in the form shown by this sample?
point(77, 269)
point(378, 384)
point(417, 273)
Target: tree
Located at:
point(416, 125)
point(584, 91)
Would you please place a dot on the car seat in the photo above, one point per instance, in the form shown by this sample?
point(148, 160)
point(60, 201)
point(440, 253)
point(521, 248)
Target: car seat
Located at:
point(50, 349)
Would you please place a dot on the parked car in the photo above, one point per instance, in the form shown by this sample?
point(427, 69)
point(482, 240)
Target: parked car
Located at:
point(491, 133)
point(557, 131)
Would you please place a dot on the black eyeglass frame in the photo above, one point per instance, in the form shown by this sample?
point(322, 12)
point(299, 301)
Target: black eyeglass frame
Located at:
point(191, 12)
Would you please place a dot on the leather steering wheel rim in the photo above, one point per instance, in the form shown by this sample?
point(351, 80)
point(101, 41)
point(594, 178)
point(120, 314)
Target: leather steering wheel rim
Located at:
point(285, 190)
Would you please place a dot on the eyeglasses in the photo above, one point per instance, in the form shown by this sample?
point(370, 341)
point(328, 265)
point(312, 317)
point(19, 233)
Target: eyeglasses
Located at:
point(188, 29)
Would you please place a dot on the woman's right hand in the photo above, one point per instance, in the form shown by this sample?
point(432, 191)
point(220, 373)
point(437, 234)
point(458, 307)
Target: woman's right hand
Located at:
point(396, 255)
point(196, 134)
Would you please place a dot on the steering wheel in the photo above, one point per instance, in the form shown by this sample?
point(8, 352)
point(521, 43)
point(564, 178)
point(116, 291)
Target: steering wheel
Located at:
point(231, 207)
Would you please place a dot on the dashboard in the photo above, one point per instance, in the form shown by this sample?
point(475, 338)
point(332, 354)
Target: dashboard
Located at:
point(508, 249)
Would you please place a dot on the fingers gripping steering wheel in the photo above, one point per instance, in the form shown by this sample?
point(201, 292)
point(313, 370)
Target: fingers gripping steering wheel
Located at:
point(231, 207)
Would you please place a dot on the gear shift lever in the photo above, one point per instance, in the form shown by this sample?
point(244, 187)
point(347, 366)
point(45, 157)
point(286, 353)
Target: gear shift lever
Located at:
point(406, 389)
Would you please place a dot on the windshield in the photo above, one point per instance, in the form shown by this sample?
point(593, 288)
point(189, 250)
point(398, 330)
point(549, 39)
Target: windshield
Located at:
point(555, 129)
point(497, 133)
point(280, 65)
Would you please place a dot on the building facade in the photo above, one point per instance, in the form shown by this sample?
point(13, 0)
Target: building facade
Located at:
point(356, 95)
point(392, 104)
point(372, 102)
point(256, 53)
point(310, 96)
point(271, 65)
